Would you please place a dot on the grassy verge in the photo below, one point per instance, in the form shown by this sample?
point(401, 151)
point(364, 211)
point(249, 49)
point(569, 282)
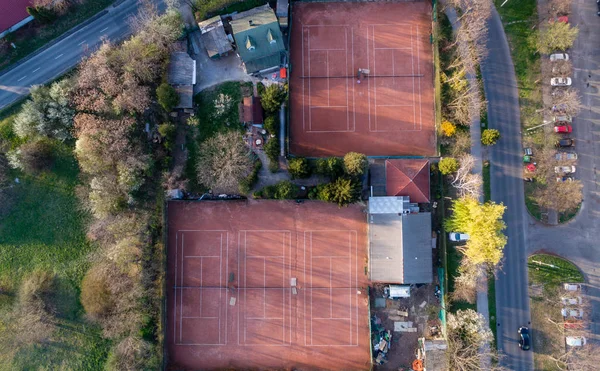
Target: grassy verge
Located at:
point(546, 274)
point(487, 186)
point(533, 208)
point(45, 230)
point(33, 36)
point(492, 306)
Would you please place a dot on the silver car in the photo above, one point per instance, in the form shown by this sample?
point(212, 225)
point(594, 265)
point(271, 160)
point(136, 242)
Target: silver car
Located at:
point(560, 81)
point(565, 156)
point(559, 57)
point(564, 169)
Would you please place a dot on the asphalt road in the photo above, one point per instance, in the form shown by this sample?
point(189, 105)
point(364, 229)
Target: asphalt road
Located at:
point(512, 300)
point(579, 239)
point(66, 53)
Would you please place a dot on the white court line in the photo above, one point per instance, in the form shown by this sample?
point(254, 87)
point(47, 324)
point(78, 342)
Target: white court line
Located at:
point(202, 256)
point(326, 50)
point(330, 107)
point(304, 301)
point(339, 319)
point(392, 48)
point(419, 72)
point(22, 78)
point(37, 69)
point(309, 91)
point(327, 69)
point(58, 56)
point(395, 105)
point(346, 68)
point(356, 279)
point(181, 295)
point(374, 81)
point(186, 317)
point(303, 93)
point(267, 318)
point(175, 295)
point(412, 61)
point(104, 29)
point(227, 280)
point(325, 25)
point(369, 80)
point(354, 85)
point(220, 285)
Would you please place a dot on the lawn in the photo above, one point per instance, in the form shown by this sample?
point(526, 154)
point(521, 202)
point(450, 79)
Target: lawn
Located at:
point(45, 230)
point(546, 274)
point(33, 36)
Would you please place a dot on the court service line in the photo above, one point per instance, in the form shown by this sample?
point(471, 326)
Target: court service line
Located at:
point(309, 86)
point(354, 84)
point(369, 80)
point(356, 279)
point(419, 71)
point(327, 69)
point(326, 50)
point(227, 291)
point(220, 284)
point(181, 294)
point(304, 301)
point(202, 256)
point(330, 107)
point(392, 48)
point(303, 83)
point(374, 73)
point(412, 60)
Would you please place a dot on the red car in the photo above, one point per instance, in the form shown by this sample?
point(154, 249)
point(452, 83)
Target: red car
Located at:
point(563, 129)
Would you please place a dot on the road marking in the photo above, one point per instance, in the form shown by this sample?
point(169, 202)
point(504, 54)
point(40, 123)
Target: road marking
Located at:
point(59, 56)
point(22, 78)
point(104, 29)
point(37, 69)
point(81, 42)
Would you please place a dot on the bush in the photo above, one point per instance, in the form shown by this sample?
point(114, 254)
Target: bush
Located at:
point(95, 293)
point(342, 191)
point(355, 164)
point(557, 36)
point(168, 131)
point(272, 124)
point(448, 128)
point(272, 98)
point(448, 165)
point(33, 157)
point(167, 96)
point(332, 167)
point(272, 152)
point(299, 168)
point(133, 353)
point(489, 137)
point(248, 182)
point(42, 14)
point(285, 190)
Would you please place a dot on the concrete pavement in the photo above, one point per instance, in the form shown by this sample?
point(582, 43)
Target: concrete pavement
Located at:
point(68, 52)
point(512, 301)
point(579, 239)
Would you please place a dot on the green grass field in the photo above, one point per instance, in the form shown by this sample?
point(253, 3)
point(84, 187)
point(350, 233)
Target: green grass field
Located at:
point(552, 270)
point(45, 230)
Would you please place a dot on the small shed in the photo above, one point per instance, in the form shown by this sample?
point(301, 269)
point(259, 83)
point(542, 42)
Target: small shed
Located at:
point(214, 37)
point(182, 77)
point(282, 12)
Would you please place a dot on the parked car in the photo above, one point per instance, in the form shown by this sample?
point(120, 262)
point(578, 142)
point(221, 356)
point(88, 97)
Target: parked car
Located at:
point(559, 119)
point(563, 129)
point(565, 156)
point(598, 3)
point(573, 312)
point(458, 237)
point(575, 341)
point(560, 81)
point(571, 301)
point(572, 287)
point(559, 57)
point(524, 339)
point(564, 169)
point(566, 142)
point(565, 178)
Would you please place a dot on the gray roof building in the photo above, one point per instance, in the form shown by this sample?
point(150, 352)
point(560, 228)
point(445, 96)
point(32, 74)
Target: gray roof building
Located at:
point(214, 38)
point(399, 244)
point(182, 77)
point(258, 38)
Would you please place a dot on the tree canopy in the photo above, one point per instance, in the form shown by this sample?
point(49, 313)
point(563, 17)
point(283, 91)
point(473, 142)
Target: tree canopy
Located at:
point(272, 98)
point(557, 36)
point(448, 165)
point(167, 96)
point(484, 224)
point(355, 164)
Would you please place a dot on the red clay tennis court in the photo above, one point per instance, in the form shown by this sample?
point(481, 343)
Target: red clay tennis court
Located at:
point(267, 285)
point(388, 109)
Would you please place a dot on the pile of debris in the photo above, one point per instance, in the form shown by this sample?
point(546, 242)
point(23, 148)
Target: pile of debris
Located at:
point(381, 339)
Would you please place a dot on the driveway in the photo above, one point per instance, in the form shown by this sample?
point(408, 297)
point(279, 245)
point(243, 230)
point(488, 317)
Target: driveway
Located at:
point(212, 72)
point(512, 301)
point(579, 240)
point(68, 52)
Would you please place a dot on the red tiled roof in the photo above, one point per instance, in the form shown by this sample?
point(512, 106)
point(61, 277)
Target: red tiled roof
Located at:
point(408, 178)
point(247, 109)
point(12, 12)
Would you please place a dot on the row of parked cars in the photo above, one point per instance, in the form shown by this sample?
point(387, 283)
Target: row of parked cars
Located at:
point(573, 313)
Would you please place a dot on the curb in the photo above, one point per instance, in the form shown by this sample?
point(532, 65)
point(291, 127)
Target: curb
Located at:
point(59, 38)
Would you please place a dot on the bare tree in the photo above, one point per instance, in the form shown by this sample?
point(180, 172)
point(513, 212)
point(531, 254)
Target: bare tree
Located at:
point(465, 284)
point(566, 102)
point(465, 182)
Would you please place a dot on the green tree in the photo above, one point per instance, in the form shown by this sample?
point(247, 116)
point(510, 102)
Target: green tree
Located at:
point(167, 131)
point(489, 137)
point(355, 164)
point(484, 225)
point(285, 190)
point(272, 124)
point(448, 165)
point(167, 96)
point(272, 98)
point(342, 191)
point(32, 157)
point(332, 167)
point(556, 36)
point(42, 14)
point(299, 167)
point(272, 152)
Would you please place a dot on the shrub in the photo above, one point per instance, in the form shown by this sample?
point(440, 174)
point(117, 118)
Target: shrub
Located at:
point(272, 98)
point(272, 124)
point(448, 165)
point(248, 182)
point(95, 293)
point(167, 96)
point(448, 128)
point(168, 131)
point(556, 36)
point(355, 164)
point(272, 152)
point(299, 168)
point(42, 14)
point(33, 157)
point(133, 353)
point(36, 292)
point(285, 190)
point(332, 167)
point(342, 191)
point(489, 137)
